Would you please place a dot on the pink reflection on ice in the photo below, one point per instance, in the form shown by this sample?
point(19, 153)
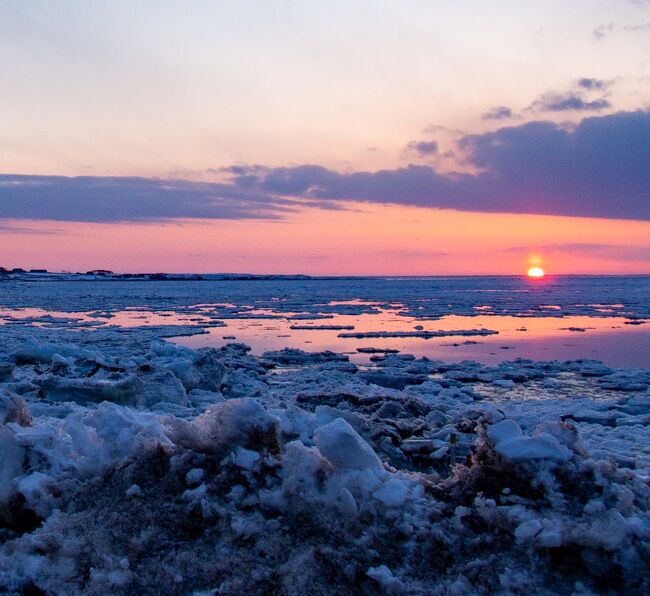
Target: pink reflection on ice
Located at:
point(608, 339)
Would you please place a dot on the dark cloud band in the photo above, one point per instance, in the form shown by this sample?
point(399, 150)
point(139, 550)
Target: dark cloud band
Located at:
point(597, 169)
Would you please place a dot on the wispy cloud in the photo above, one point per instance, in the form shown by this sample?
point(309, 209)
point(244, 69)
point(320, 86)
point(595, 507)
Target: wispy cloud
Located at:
point(27, 230)
point(118, 199)
point(602, 31)
point(594, 84)
point(498, 113)
point(638, 28)
point(586, 94)
point(613, 251)
point(423, 148)
point(564, 102)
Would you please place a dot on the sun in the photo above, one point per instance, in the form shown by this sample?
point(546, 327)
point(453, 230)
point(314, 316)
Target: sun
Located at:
point(536, 272)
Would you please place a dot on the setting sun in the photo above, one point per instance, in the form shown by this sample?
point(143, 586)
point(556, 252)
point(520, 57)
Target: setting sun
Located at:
point(536, 272)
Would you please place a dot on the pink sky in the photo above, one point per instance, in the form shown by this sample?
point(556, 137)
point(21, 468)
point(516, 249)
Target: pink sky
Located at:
point(363, 240)
point(411, 108)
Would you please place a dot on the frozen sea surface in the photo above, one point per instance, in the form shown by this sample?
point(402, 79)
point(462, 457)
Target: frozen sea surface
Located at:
point(133, 464)
point(602, 318)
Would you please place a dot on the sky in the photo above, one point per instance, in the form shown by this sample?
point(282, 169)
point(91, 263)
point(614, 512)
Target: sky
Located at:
point(341, 137)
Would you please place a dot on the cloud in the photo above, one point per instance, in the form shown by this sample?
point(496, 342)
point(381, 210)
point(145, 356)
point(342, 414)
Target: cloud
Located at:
point(26, 230)
point(602, 30)
point(423, 148)
point(563, 102)
point(603, 251)
point(593, 84)
point(113, 199)
point(580, 97)
point(638, 28)
point(498, 113)
point(411, 254)
point(598, 168)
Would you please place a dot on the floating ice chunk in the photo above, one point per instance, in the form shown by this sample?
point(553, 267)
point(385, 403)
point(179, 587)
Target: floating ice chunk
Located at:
point(223, 427)
point(421, 334)
point(552, 536)
point(642, 420)
point(11, 463)
point(6, 368)
point(542, 446)
point(386, 579)
point(161, 386)
point(344, 448)
point(392, 379)
point(195, 368)
point(607, 531)
point(35, 488)
point(635, 405)
point(201, 371)
point(13, 409)
point(246, 526)
point(346, 503)
point(507, 383)
point(393, 493)
point(194, 476)
point(58, 359)
point(293, 356)
point(593, 368)
point(195, 494)
point(410, 446)
point(325, 414)
point(33, 351)
point(322, 327)
point(133, 491)
point(528, 530)
point(245, 458)
point(301, 473)
point(564, 432)
point(90, 439)
point(595, 417)
point(506, 429)
point(110, 580)
point(296, 421)
point(82, 390)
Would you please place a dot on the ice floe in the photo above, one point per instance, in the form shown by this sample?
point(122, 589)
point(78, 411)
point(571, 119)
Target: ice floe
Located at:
point(128, 465)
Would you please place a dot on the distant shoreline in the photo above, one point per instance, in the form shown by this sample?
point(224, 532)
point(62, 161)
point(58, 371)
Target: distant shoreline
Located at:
point(108, 276)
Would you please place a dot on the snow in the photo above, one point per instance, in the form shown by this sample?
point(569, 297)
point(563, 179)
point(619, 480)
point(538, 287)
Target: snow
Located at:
point(385, 578)
point(506, 429)
point(542, 446)
point(130, 464)
point(393, 493)
point(133, 491)
point(194, 476)
point(245, 458)
point(342, 446)
point(420, 334)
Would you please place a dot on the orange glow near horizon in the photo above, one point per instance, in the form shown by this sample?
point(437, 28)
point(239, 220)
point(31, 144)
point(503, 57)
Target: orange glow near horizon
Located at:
point(361, 239)
point(536, 272)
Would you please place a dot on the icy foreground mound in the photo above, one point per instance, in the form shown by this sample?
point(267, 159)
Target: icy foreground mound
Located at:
point(168, 470)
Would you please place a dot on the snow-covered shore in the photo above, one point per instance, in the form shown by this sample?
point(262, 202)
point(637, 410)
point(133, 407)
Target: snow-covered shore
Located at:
point(131, 465)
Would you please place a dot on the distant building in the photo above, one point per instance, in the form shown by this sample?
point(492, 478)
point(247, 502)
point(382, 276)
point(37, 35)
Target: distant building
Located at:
point(99, 272)
point(38, 270)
